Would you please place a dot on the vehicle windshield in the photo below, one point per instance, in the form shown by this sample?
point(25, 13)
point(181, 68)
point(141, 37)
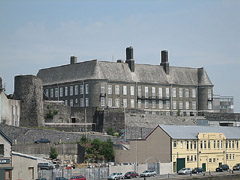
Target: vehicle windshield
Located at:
point(183, 169)
point(113, 174)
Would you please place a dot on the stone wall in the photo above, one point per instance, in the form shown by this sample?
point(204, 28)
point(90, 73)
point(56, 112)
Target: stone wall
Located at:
point(79, 114)
point(222, 116)
point(29, 90)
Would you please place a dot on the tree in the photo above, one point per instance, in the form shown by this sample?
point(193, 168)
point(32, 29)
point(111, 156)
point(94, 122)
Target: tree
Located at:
point(53, 153)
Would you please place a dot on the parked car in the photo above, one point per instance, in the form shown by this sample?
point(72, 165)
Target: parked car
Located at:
point(116, 176)
point(131, 174)
point(60, 178)
point(42, 141)
point(80, 177)
point(236, 167)
point(223, 167)
point(197, 170)
point(148, 173)
point(185, 171)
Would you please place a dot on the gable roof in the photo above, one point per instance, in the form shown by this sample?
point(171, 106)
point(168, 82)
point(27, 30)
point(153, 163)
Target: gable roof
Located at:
point(6, 137)
point(113, 71)
point(191, 132)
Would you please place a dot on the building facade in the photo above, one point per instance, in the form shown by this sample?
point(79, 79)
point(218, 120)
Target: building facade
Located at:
point(223, 104)
point(158, 89)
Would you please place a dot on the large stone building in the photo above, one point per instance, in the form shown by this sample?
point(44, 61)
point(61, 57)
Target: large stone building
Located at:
point(157, 89)
point(223, 104)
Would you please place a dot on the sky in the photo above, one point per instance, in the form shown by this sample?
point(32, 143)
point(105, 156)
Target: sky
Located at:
point(45, 33)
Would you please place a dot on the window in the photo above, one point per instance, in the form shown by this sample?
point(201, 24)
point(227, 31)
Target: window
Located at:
point(81, 102)
point(218, 144)
point(214, 144)
point(174, 92)
point(226, 144)
point(76, 89)
point(81, 89)
point(187, 104)
point(233, 156)
point(8, 175)
point(47, 92)
point(146, 92)
point(153, 92)
point(214, 160)
point(201, 144)
point(174, 105)
point(56, 92)
point(71, 102)
point(117, 89)
point(132, 90)
point(117, 103)
point(86, 88)
point(233, 144)
point(181, 144)
point(76, 101)
point(237, 144)
point(180, 105)
point(191, 145)
point(186, 93)
point(209, 144)
point(139, 103)
point(187, 158)
point(124, 90)
point(160, 104)
point(1, 149)
point(167, 92)
point(193, 93)
point(230, 156)
point(194, 105)
point(209, 94)
point(109, 89)
point(174, 144)
point(229, 144)
point(139, 91)
point(125, 103)
point(210, 160)
point(146, 103)
point(102, 88)
point(51, 93)
point(195, 144)
point(153, 104)
point(109, 102)
point(102, 101)
point(187, 144)
point(167, 104)
point(71, 90)
point(61, 91)
point(191, 157)
point(195, 158)
point(160, 92)
point(209, 104)
point(66, 102)
point(87, 102)
point(180, 92)
point(221, 144)
point(205, 144)
point(132, 103)
point(226, 156)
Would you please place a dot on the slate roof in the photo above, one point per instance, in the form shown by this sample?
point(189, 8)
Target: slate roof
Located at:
point(114, 71)
point(191, 132)
point(5, 137)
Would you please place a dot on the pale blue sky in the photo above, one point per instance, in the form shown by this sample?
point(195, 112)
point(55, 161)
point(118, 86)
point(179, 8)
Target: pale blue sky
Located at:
point(39, 34)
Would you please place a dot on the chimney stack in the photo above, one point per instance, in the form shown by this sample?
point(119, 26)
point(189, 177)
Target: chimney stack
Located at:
point(129, 58)
point(73, 59)
point(164, 61)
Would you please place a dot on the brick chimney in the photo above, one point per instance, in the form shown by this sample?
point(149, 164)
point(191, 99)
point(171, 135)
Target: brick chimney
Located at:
point(164, 61)
point(129, 58)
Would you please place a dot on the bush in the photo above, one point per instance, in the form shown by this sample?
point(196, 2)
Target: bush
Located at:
point(53, 153)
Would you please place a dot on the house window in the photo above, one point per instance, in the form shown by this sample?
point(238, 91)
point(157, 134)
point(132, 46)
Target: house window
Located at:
point(71, 102)
point(191, 157)
point(209, 104)
point(218, 144)
point(51, 93)
point(56, 92)
point(132, 103)
point(146, 92)
point(160, 92)
point(66, 102)
point(180, 105)
point(191, 145)
point(102, 88)
point(205, 144)
point(76, 89)
point(209, 94)
point(193, 93)
point(237, 144)
point(214, 160)
point(174, 105)
point(71, 90)
point(160, 104)
point(201, 144)
point(186, 93)
point(187, 104)
point(209, 144)
point(117, 103)
point(1, 149)
point(229, 144)
point(226, 156)
point(109, 89)
point(167, 104)
point(194, 105)
point(174, 144)
point(167, 92)
point(146, 103)
point(233, 144)
point(195, 144)
point(125, 103)
point(233, 156)
point(180, 92)
point(153, 92)
point(86, 88)
point(187, 144)
point(188, 158)
point(226, 144)
point(109, 102)
point(174, 94)
point(124, 90)
point(81, 89)
point(139, 103)
point(230, 156)
point(139, 91)
point(132, 90)
point(87, 102)
point(76, 101)
point(210, 160)
point(102, 101)
point(221, 144)
point(81, 102)
point(153, 104)
point(61, 91)
point(47, 92)
point(195, 158)
point(117, 89)
point(181, 144)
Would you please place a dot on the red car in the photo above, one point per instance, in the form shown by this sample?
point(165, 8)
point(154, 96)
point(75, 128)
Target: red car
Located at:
point(80, 177)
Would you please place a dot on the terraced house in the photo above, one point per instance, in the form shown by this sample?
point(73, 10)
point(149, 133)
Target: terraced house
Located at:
point(158, 89)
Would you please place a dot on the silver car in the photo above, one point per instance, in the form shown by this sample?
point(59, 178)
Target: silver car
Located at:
point(185, 171)
point(116, 176)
